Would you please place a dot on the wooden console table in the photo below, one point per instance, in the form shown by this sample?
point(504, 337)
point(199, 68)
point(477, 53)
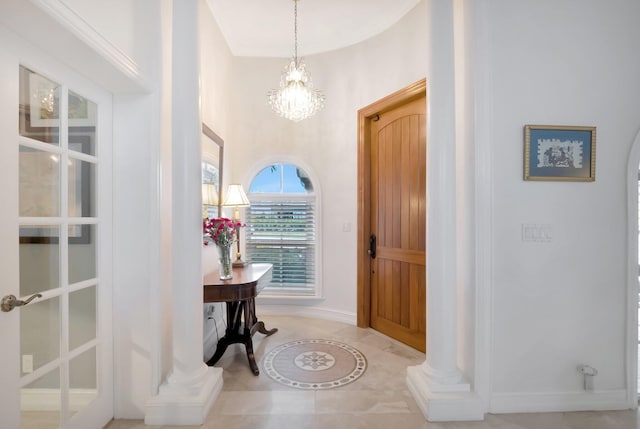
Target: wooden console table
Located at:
point(239, 294)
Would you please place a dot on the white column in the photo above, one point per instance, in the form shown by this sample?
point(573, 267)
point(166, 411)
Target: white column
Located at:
point(187, 395)
point(441, 204)
point(437, 384)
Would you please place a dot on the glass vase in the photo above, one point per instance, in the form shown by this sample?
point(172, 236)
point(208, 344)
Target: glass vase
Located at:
point(224, 261)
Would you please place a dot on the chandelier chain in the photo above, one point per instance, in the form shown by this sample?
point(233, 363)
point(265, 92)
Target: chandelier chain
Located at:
point(295, 29)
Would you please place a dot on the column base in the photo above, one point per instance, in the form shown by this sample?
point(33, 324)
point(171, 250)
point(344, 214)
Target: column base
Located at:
point(176, 407)
point(443, 402)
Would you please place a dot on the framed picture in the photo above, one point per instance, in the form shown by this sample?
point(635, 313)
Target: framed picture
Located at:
point(561, 153)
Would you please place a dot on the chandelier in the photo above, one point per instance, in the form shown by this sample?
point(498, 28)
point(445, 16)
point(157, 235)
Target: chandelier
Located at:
point(296, 99)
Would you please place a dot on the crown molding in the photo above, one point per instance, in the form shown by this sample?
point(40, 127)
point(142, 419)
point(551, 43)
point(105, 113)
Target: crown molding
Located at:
point(87, 34)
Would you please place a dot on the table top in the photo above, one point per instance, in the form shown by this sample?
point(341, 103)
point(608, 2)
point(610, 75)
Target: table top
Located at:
point(246, 283)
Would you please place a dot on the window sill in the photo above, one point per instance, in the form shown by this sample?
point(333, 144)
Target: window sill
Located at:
point(266, 299)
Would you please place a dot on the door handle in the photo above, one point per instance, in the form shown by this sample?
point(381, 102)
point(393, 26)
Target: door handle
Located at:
point(372, 246)
point(9, 302)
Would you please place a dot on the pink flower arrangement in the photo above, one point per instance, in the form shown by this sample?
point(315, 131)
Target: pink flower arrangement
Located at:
point(221, 231)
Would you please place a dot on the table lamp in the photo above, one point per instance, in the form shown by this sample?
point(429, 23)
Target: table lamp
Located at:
point(209, 198)
point(236, 198)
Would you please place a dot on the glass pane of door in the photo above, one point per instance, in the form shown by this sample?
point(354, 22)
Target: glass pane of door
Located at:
point(40, 402)
point(39, 334)
point(39, 107)
point(82, 124)
point(83, 383)
point(39, 182)
point(81, 179)
point(82, 317)
point(82, 253)
point(39, 258)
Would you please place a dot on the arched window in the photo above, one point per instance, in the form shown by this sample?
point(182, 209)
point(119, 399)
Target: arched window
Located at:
point(282, 228)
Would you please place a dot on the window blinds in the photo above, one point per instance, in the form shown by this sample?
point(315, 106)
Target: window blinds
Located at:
point(283, 233)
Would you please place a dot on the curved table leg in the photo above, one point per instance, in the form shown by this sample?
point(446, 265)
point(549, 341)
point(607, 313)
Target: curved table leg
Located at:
point(252, 359)
point(261, 328)
point(222, 347)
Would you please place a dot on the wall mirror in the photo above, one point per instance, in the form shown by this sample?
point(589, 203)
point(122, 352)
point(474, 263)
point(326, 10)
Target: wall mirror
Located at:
point(212, 147)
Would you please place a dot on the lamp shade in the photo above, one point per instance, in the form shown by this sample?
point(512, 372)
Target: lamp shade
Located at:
point(209, 194)
point(236, 197)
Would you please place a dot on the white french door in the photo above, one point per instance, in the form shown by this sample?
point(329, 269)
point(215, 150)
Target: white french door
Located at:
point(56, 362)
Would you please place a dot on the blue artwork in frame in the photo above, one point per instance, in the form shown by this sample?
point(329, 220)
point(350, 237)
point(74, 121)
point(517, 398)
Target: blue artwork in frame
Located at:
point(565, 153)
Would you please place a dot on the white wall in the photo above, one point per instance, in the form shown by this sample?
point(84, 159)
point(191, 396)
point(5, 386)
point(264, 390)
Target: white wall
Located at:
point(562, 303)
point(351, 78)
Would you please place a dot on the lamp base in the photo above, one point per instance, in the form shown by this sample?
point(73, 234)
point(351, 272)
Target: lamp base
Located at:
point(239, 263)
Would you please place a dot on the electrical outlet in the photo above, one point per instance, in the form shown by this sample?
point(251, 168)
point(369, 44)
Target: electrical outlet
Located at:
point(27, 364)
point(210, 310)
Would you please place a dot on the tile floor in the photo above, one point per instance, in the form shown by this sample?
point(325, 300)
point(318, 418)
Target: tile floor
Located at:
point(378, 400)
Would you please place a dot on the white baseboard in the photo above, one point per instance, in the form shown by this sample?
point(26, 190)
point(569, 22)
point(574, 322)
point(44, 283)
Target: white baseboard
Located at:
point(49, 399)
point(307, 311)
point(556, 402)
point(443, 407)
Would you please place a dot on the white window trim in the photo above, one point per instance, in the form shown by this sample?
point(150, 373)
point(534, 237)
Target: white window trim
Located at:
point(274, 297)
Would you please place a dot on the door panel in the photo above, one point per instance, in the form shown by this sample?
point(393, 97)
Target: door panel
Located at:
point(56, 363)
point(398, 209)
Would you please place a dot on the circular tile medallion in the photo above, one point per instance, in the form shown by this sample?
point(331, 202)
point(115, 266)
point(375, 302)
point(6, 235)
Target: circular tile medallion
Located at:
point(314, 364)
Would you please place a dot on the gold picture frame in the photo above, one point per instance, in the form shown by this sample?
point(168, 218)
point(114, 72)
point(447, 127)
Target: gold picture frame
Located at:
point(212, 147)
point(559, 153)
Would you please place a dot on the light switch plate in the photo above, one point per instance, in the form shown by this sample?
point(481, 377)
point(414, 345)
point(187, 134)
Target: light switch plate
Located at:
point(537, 233)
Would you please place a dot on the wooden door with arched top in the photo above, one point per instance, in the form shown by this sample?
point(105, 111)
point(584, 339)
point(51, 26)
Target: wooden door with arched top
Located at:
point(396, 211)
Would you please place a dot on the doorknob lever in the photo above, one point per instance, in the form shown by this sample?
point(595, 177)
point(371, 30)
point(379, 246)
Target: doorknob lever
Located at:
point(9, 302)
